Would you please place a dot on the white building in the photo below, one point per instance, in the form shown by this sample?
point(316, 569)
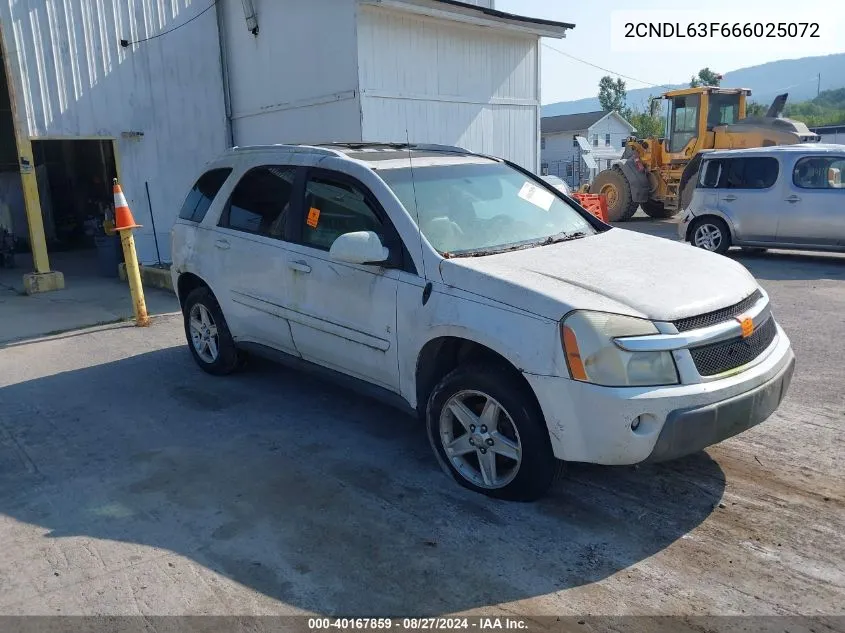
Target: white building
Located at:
point(194, 77)
point(831, 134)
point(562, 155)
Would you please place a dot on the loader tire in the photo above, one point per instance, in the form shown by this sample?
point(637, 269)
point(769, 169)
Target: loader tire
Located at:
point(613, 184)
point(655, 209)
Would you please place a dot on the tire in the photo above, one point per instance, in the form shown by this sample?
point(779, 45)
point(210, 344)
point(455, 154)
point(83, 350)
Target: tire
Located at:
point(711, 234)
point(521, 452)
point(202, 307)
point(620, 205)
point(655, 209)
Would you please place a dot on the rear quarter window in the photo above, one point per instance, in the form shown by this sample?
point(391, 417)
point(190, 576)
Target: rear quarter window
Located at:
point(199, 199)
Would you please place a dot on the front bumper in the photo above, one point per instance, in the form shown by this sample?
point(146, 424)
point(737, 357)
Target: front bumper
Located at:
point(691, 430)
point(683, 225)
point(589, 423)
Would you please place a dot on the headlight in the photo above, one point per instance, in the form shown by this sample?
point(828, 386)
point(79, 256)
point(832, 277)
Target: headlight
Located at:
point(593, 356)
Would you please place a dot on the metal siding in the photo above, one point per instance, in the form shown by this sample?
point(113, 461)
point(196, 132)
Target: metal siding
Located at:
point(73, 79)
point(448, 83)
point(298, 80)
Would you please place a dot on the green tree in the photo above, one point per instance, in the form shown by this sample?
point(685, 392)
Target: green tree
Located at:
point(647, 125)
point(705, 77)
point(612, 94)
point(753, 108)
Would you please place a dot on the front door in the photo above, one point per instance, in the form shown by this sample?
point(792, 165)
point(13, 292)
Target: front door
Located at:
point(813, 198)
point(342, 316)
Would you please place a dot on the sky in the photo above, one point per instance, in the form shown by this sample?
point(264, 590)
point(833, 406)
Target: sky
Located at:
point(564, 79)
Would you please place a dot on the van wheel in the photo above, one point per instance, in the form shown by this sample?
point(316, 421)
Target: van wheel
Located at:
point(489, 434)
point(209, 339)
point(711, 234)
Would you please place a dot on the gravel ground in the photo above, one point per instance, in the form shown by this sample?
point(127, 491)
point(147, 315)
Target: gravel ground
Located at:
point(132, 483)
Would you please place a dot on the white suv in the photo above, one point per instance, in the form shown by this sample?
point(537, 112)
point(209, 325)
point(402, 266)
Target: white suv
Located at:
point(465, 289)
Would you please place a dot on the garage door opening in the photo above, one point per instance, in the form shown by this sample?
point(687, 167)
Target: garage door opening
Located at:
point(75, 186)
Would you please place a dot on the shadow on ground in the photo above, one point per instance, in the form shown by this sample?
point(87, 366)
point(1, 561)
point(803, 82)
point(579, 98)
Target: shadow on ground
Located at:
point(312, 495)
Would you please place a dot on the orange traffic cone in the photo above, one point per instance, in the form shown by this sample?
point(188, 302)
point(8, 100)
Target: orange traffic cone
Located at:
point(122, 215)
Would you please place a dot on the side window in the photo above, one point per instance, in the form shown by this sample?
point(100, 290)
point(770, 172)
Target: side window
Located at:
point(819, 172)
point(749, 173)
point(711, 173)
point(334, 207)
point(607, 139)
point(261, 201)
point(202, 195)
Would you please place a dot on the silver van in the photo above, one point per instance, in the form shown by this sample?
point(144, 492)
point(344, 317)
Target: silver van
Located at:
point(788, 196)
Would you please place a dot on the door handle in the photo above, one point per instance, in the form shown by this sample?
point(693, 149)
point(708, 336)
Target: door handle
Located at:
point(729, 198)
point(222, 244)
point(793, 198)
point(299, 266)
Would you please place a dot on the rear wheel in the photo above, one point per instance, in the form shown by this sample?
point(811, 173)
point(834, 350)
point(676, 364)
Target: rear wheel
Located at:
point(489, 434)
point(655, 209)
point(209, 339)
point(711, 234)
point(615, 187)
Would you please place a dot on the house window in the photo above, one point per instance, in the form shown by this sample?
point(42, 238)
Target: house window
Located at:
point(622, 144)
point(607, 140)
point(542, 142)
point(595, 140)
point(574, 140)
point(569, 170)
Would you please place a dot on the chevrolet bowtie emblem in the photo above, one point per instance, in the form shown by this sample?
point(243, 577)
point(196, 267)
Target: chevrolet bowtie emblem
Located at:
point(747, 325)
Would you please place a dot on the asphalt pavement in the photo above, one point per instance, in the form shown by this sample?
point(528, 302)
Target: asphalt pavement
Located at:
point(131, 483)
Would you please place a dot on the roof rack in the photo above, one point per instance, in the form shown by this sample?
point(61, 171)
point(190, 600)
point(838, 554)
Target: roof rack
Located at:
point(293, 149)
point(428, 147)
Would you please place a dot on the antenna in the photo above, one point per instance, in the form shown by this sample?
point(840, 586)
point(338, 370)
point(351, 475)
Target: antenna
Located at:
point(414, 187)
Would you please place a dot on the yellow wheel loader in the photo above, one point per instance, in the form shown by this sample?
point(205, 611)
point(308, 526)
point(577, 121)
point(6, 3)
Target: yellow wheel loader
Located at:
point(659, 174)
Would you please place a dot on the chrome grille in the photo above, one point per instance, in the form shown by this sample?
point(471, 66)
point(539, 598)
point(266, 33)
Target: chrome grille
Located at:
point(717, 316)
point(726, 355)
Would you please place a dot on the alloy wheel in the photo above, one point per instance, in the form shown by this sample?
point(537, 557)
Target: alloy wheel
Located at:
point(708, 237)
point(480, 439)
point(204, 335)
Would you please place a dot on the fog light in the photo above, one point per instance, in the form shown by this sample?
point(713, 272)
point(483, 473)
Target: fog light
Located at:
point(636, 423)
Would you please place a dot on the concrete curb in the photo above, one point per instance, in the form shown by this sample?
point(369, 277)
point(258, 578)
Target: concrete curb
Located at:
point(151, 276)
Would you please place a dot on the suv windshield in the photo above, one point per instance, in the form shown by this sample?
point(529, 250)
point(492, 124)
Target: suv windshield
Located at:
point(483, 207)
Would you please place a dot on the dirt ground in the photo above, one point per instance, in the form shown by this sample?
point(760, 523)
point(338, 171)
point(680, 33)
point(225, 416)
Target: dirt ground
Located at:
point(133, 484)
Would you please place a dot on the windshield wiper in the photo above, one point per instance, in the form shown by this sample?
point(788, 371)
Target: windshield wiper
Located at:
point(562, 237)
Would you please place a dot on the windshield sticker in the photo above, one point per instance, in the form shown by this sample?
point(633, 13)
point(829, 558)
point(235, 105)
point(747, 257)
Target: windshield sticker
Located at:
point(536, 196)
point(313, 217)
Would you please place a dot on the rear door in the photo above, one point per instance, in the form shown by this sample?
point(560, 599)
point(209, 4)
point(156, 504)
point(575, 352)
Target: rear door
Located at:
point(252, 256)
point(814, 197)
point(342, 316)
point(748, 196)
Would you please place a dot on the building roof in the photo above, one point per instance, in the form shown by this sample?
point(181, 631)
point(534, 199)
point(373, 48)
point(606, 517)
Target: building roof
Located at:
point(569, 122)
point(828, 129)
point(478, 15)
point(508, 16)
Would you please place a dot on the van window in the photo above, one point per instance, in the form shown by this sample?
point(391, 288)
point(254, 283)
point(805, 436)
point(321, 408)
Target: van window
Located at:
point(740, 173)
point(199, 199)
point(819, 172)
point(260, 201)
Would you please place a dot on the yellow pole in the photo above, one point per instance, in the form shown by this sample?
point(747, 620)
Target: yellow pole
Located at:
point(133, 274)
point(44, 279)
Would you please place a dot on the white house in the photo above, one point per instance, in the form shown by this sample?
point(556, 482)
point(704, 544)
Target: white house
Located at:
point(562, 155)
point(193, 77)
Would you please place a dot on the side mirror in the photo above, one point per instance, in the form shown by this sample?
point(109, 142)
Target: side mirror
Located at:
point(359, 247)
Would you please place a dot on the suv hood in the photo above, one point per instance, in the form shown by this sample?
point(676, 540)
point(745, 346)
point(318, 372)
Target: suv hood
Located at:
point(616, 271)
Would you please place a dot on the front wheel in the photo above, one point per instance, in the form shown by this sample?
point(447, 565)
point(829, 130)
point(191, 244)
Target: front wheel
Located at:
point(711, 234)
point(489, 434)
point(612, 184)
